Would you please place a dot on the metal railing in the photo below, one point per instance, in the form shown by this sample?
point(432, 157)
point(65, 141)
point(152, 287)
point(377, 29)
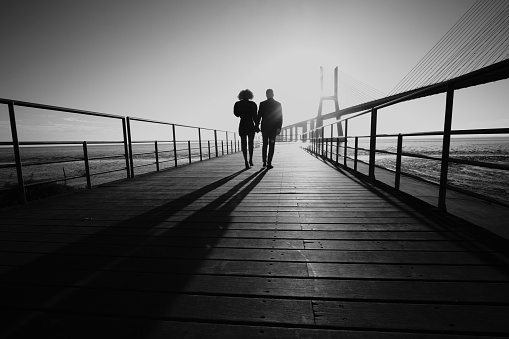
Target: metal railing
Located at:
point(178, 152)
point(339, 150)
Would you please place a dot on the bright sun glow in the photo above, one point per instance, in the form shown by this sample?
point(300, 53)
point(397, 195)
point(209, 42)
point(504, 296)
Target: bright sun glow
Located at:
point(295, 77)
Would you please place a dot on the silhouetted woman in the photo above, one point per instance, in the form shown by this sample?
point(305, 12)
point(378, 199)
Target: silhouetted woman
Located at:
point(246, 110)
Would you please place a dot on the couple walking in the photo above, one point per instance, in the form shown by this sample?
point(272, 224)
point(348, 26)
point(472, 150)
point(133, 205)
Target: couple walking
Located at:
point(270, 115)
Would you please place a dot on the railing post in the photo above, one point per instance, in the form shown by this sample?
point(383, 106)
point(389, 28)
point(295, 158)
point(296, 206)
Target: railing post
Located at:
point(226, 142)
point(326, 147)
point(372, 143)
point(445, 148)
point(215, 140)
point(355, 153)
point(17, 154)
point(337, 150)
point(323, 136)
point(231, 145)
point(317, 143)
point(199, 141)
point(222, 147)
point(157, 155)
point(314, 142)
point(208, 143)
point(130, 144)
point(174, 145)
point(235, 140)
point(189, 149)
point(126, 147)
point(87, 168)
point(331, 135)
point(399, 150)
point(329, 149)
point(346, 144)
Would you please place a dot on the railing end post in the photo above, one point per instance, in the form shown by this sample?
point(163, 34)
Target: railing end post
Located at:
point(17, 154)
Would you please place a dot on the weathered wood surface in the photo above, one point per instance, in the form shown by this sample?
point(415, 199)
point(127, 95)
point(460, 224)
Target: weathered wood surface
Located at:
point(212, 250)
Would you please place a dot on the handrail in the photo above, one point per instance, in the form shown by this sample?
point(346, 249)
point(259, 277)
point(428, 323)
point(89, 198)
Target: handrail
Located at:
point(195, 150)
point(57, 108)
point(320, 146)
point(178, 125)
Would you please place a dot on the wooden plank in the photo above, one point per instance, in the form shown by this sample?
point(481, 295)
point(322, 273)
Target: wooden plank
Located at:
point(403, 227)
point(406, 245)
point(222, 230)
point(43, 325)
point(369, 290)
point(16, 243)
point(11, 260)
point(211, 211)
point(93, 226)
point(157, 305)
point(68, 226)
point(12, 245)
point(414, 317)
point(249, 202)
point(231, 218)
point(409, 272)
point(146, 249)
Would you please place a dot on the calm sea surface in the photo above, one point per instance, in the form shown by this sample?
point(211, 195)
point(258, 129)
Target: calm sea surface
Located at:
point(493, 183)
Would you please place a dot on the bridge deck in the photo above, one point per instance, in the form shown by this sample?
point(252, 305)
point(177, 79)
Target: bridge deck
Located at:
point(212, 250)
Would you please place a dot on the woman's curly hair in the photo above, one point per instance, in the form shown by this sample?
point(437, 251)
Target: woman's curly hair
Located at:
point(245, 94)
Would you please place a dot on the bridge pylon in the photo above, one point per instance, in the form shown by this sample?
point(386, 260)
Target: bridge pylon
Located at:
point(334, 97)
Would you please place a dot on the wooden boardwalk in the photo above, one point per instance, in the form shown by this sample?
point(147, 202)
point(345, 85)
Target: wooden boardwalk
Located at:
point(214, 251)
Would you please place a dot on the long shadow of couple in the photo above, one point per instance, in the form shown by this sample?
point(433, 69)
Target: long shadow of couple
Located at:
point(137, 275)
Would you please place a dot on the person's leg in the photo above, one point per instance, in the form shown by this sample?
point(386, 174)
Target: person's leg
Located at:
point(243, 145)
point(251, 148)
point(265, 139)
point(272, 145)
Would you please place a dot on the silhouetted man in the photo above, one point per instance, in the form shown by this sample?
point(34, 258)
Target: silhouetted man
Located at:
point(270, 114)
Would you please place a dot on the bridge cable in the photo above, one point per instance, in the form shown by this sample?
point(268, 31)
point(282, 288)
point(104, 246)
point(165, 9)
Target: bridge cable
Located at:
point(352, 91)
point(456, 55)
point(458, 36)
point(424, 62)
point(470, 52)
point(441, 49)
point(478, 39)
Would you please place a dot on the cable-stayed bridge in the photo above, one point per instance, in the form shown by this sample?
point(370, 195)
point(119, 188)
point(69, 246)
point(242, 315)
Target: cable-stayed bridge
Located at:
point(473, 52)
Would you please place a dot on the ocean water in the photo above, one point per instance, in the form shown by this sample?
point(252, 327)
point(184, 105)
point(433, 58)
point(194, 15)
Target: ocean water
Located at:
point(492, 183)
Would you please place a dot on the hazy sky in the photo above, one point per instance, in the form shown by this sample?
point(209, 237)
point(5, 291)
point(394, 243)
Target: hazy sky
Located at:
point(186, 61)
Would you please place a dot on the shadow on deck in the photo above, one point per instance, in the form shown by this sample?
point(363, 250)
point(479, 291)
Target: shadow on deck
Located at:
point(213, 250)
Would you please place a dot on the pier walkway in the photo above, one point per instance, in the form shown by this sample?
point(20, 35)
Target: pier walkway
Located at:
point(211, 250)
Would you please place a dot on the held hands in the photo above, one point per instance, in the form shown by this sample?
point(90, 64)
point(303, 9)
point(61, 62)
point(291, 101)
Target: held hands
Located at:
point(278, 131)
